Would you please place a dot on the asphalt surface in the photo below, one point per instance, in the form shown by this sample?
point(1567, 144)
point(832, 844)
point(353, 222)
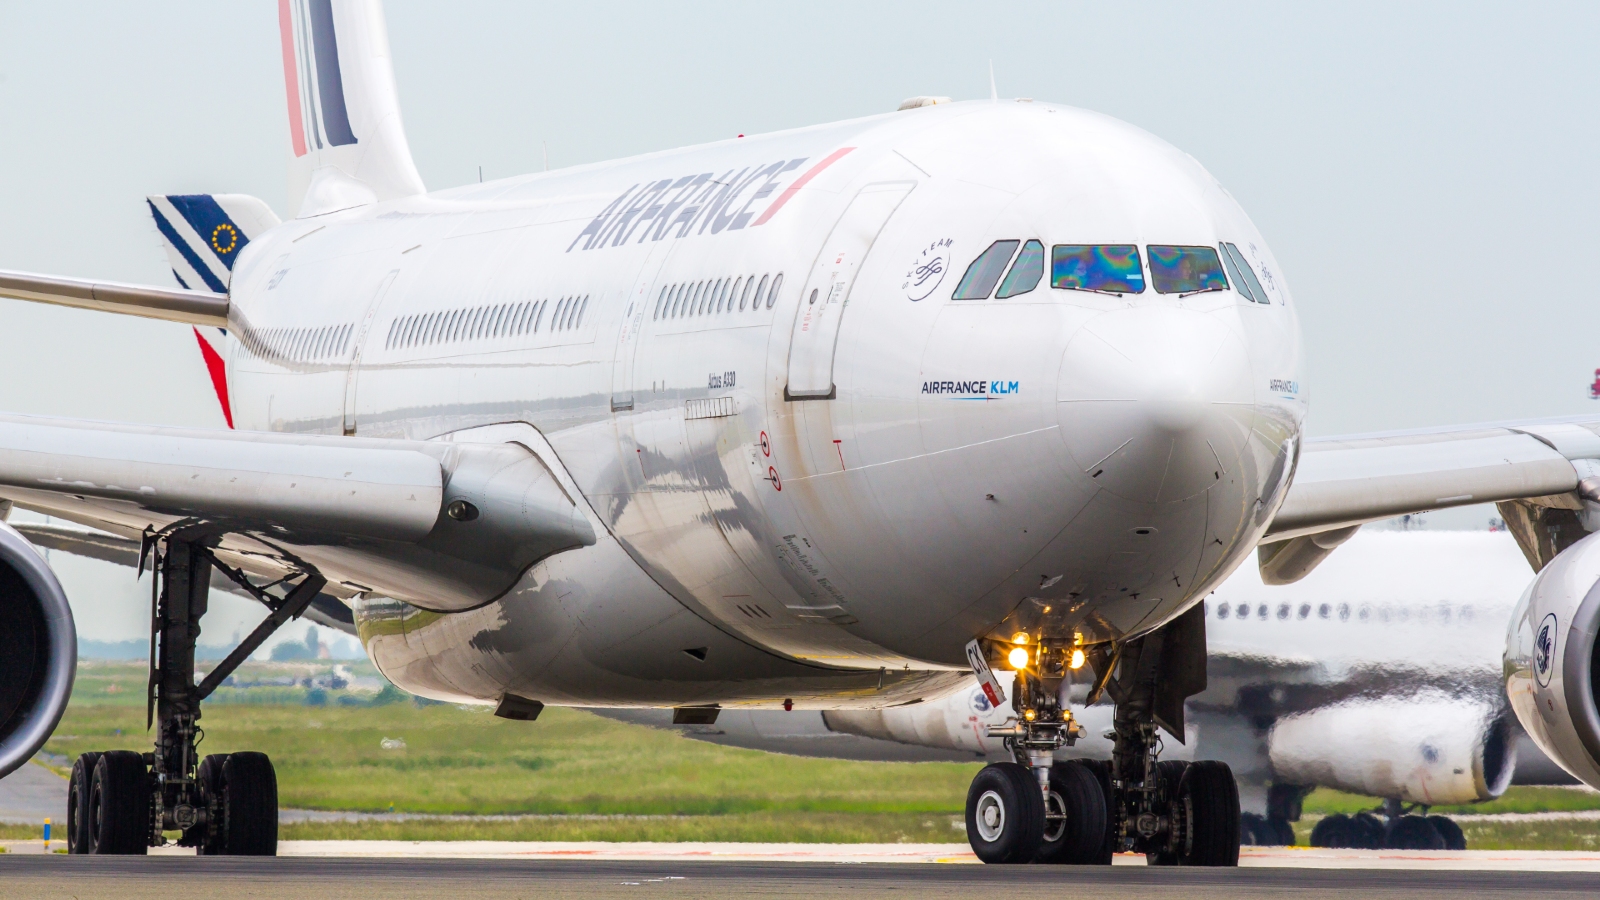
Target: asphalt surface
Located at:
point(133, 878)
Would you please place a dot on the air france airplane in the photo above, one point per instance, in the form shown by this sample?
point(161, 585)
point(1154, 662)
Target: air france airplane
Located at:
point(839, 417)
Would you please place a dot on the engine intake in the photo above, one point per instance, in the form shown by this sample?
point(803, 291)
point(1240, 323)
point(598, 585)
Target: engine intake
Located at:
point(1552, 661)
point(38, 650)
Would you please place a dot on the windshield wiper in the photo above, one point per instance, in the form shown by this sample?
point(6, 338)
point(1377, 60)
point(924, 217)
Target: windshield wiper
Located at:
point(1201, 291)
point(1089, 290)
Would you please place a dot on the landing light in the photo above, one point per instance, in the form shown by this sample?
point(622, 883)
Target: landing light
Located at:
point(1077, 659)
point(1018, 657)
point(1020, 637)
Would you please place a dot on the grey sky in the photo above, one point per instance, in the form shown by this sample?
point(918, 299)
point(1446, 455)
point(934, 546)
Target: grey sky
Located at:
point(1423, 172)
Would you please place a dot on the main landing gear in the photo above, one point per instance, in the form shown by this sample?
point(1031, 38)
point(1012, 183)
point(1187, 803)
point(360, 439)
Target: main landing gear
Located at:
point(120, 801)
point(1401, 827)
point(1079, 812)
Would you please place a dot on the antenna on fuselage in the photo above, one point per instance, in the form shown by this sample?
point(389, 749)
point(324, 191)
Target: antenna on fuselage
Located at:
point(993, 93)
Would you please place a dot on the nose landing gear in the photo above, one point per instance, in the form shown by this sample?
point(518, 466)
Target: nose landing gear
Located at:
point(1175, 813)
point(120, 802)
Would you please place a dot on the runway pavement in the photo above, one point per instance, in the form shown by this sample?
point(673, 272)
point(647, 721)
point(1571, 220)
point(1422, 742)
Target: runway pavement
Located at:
point(336, 878)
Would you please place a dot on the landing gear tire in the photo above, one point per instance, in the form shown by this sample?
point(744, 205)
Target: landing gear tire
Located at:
point(119, 805)
point(1005, 814)
point(1450, 831)
point(1170, 773)
point(79, 790)
point(207, 838)
point(1264, 831)
point(1101, 769)
point(249, 806)
point(1076, 836)
point(1209, 799)
point(1413, 833)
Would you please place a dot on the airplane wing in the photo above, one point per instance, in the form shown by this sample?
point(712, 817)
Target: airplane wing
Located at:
point(172, 304)
point(1340, 483)
point(442, 524)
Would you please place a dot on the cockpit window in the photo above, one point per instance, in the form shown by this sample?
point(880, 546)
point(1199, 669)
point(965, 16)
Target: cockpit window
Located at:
point(1104, 268)
point(1025, 272)
point(1244, 277)
point(1186, 270)
point(985, 271)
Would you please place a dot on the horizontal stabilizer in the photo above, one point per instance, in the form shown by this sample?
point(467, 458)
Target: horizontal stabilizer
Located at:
point(172, 304)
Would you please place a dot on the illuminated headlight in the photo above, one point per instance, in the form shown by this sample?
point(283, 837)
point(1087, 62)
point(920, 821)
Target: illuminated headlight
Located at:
point(1018, 657)
point(1077, 659)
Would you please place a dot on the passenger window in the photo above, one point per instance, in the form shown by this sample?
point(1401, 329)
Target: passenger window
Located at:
point(1025, 272)
point(1186, 270)
point(985, 271)
point(1101, 268)
point(1245, 275)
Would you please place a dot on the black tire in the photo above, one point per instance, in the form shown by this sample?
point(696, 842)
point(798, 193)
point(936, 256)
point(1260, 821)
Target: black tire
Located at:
point(1209, 797)
point(1335, 832)
point(79, 790)
point(1005, 814)
point(1101, 769)
point(1170, 773)
point(1279, 832)
point(1250, 833)
point(1077, 839)
point(250, 806)
point(1366, 832)
point(1450, 831)
point(207, 839)
point(1413, 833)
point(119, 805)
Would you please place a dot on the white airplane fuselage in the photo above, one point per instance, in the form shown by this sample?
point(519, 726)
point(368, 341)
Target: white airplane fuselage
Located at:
point(820, 492)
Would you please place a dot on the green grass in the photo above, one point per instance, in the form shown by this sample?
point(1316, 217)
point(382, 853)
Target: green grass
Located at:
point(467, 761)
point(1325, 802)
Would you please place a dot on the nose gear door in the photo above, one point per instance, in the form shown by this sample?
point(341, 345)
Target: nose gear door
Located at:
point(827, 289)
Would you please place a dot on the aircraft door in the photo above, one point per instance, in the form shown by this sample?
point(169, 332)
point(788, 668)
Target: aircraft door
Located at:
point(827, 289)
point(639, 301)
point(354, 372)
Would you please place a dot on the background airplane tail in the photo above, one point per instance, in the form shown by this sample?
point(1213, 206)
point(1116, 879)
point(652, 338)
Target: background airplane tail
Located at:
point(347, 145)
point(203, 234)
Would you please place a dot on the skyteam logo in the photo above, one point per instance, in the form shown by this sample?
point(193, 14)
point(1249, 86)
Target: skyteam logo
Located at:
point(1544, 650)
point(978, 389)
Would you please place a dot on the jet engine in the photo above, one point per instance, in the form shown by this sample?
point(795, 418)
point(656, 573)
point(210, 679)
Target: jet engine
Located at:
point(1430, 748)
point(1552, 661)
point(38, 650)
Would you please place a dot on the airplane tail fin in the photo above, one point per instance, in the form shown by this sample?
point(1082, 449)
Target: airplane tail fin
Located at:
point(347, 145)
point(203, 234)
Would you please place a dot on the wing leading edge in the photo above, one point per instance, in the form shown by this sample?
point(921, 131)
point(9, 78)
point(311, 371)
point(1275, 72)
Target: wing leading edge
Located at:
point(443, 525)
point(1342, 483)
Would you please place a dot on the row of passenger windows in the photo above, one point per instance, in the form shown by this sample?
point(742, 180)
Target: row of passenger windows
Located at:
point(1443, 613)
point(699, 298)
point(477, 322)
point(1108, 269)
point(297, 344)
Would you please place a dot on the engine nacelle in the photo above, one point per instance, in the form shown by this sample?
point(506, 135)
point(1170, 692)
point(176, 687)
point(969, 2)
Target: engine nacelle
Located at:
point(38, 650)
point(1552, 662)
point(1430, 747)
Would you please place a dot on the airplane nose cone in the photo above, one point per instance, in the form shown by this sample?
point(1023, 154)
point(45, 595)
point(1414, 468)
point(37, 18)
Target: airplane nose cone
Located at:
point(1155, 403)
